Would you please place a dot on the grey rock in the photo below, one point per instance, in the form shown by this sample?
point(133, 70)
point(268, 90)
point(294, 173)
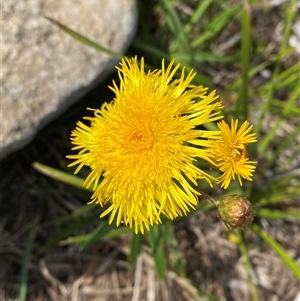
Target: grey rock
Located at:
point(44, 70)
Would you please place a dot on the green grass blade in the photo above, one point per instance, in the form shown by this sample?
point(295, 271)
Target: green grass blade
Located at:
point(65, 232)
point(199, 12)
point(279, 107)
point(286, 143)
point(143, 21)
point(290, 14)
point(176, 258)
point(98, 234)
point(81, 239)
point(151, 49)
point(176, 27)
point(201, 56)
point(248, 267)
point(217, 25)
point(200, 78)
point(278, 214)
point(81, 212)
point(285, 167)
point(84, 40)
point(286, 79)
point(276, 190)
point(118, 232)
point(60, 175)
point(135, 247)
point(278, 197)
point(292, 71)
point(290, 263)
point(256, 69)
point(269, 137)
point(157, 248)
point(25, 264)
point(242, 103)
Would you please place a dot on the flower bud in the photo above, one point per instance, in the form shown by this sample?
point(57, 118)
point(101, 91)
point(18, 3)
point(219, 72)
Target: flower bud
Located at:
point(235, 211)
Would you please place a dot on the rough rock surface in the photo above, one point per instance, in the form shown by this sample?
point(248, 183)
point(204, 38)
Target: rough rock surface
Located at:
point(44, 70)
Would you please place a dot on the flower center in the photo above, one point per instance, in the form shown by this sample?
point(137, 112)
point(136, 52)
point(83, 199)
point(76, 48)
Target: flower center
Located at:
point(236, 154)
point(139, 141)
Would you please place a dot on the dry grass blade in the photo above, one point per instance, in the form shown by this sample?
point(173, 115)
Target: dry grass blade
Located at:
point(57, 285)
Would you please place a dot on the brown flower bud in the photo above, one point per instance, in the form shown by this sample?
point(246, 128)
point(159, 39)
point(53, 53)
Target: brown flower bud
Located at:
point(235, 211)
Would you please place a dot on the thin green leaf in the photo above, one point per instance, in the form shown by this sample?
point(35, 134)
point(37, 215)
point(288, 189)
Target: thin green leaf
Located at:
point(157, 248)
point(216, 25)
point(288, 82)
point(248, 267)
point(278, 214)
point(256, 69)
point(81, 212)
point(98, 234)
point(175, 256)
point(151, 49)
point(118, 232)
point(286, 79)
point(280, 106)
point(280, 181)
point(26, 263)
point(81, 239)
point(285, 167)
point(65, 232)
point(84, 40)
point(187, 64)
point(60, 175)
point(292, 71)
point(290, 14)
point(242, 103)
point(290, 263)
point(143, 21)
point(199, 79)
point(278, 198)
point(284, 144)
point(199, 12)
point(175, 25)
point(273, 194)
point(135, 248)
point(265, 142)
point(201, 56)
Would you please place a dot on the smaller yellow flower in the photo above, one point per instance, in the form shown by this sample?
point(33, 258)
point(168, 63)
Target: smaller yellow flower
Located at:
point(230, 154)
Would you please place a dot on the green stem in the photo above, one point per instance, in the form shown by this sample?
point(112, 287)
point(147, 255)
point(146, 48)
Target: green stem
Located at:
point(248, 266)
point(242, 104)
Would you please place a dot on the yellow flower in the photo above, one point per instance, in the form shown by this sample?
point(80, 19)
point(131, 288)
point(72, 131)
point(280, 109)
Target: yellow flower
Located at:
point(141, 148)
point(230, 154)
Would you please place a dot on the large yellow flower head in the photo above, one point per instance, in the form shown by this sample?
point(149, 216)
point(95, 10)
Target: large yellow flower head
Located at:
point(141, 147)
point(230, 153)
